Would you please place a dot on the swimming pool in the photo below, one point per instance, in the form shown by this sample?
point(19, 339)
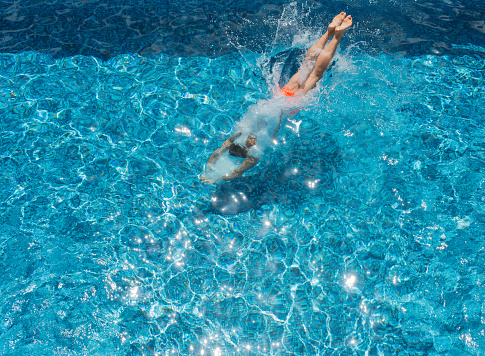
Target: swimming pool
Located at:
point(360, 233)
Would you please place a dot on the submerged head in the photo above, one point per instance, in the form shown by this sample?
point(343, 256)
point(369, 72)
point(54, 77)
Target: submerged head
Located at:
point(251, 141)
point(242, 151)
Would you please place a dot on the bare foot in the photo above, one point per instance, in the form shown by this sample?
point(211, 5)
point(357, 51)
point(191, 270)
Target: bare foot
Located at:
point(337, 21)
point(340, 30)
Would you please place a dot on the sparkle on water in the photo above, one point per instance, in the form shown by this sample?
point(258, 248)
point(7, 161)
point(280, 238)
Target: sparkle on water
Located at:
point(357, 233)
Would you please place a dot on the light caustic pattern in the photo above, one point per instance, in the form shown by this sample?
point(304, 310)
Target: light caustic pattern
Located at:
point(358, 233)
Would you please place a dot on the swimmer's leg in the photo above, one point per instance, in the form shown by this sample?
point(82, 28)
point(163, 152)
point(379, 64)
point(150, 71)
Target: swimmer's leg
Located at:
point(325, 57)
point(314, 50)
point(312, 54)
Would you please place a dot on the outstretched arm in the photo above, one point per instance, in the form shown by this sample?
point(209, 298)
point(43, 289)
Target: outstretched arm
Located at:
point(223, 148)
point(219, 151)
point(248, 163)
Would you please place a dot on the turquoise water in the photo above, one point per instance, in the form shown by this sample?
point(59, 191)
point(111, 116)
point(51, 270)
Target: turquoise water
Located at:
point(359, 233)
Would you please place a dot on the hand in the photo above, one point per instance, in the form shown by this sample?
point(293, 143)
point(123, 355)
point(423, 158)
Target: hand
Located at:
point(233, 175)
point(205, 180)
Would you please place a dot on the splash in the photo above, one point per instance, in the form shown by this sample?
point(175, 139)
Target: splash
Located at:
point(285, 54)
point(284, 58)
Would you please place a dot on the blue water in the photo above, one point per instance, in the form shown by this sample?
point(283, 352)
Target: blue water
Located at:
point(361, 232)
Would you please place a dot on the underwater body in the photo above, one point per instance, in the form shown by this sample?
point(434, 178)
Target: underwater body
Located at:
point(360, 231)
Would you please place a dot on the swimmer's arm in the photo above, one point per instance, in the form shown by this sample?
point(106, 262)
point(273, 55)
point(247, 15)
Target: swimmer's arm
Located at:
point(223, 148)
point(220, 151)
point(248, 163)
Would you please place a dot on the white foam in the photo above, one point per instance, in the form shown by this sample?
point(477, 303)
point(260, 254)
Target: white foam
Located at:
point(225, 164)
point(305, 70)
point(261, 120)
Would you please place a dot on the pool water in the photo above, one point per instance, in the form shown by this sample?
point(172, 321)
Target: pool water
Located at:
point(360, 232)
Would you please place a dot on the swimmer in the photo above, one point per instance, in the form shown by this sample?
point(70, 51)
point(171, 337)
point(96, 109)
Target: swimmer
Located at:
point(316, 62)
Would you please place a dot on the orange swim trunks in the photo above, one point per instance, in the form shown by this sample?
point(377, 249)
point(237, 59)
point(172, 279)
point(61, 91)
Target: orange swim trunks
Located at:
point(287, 91)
